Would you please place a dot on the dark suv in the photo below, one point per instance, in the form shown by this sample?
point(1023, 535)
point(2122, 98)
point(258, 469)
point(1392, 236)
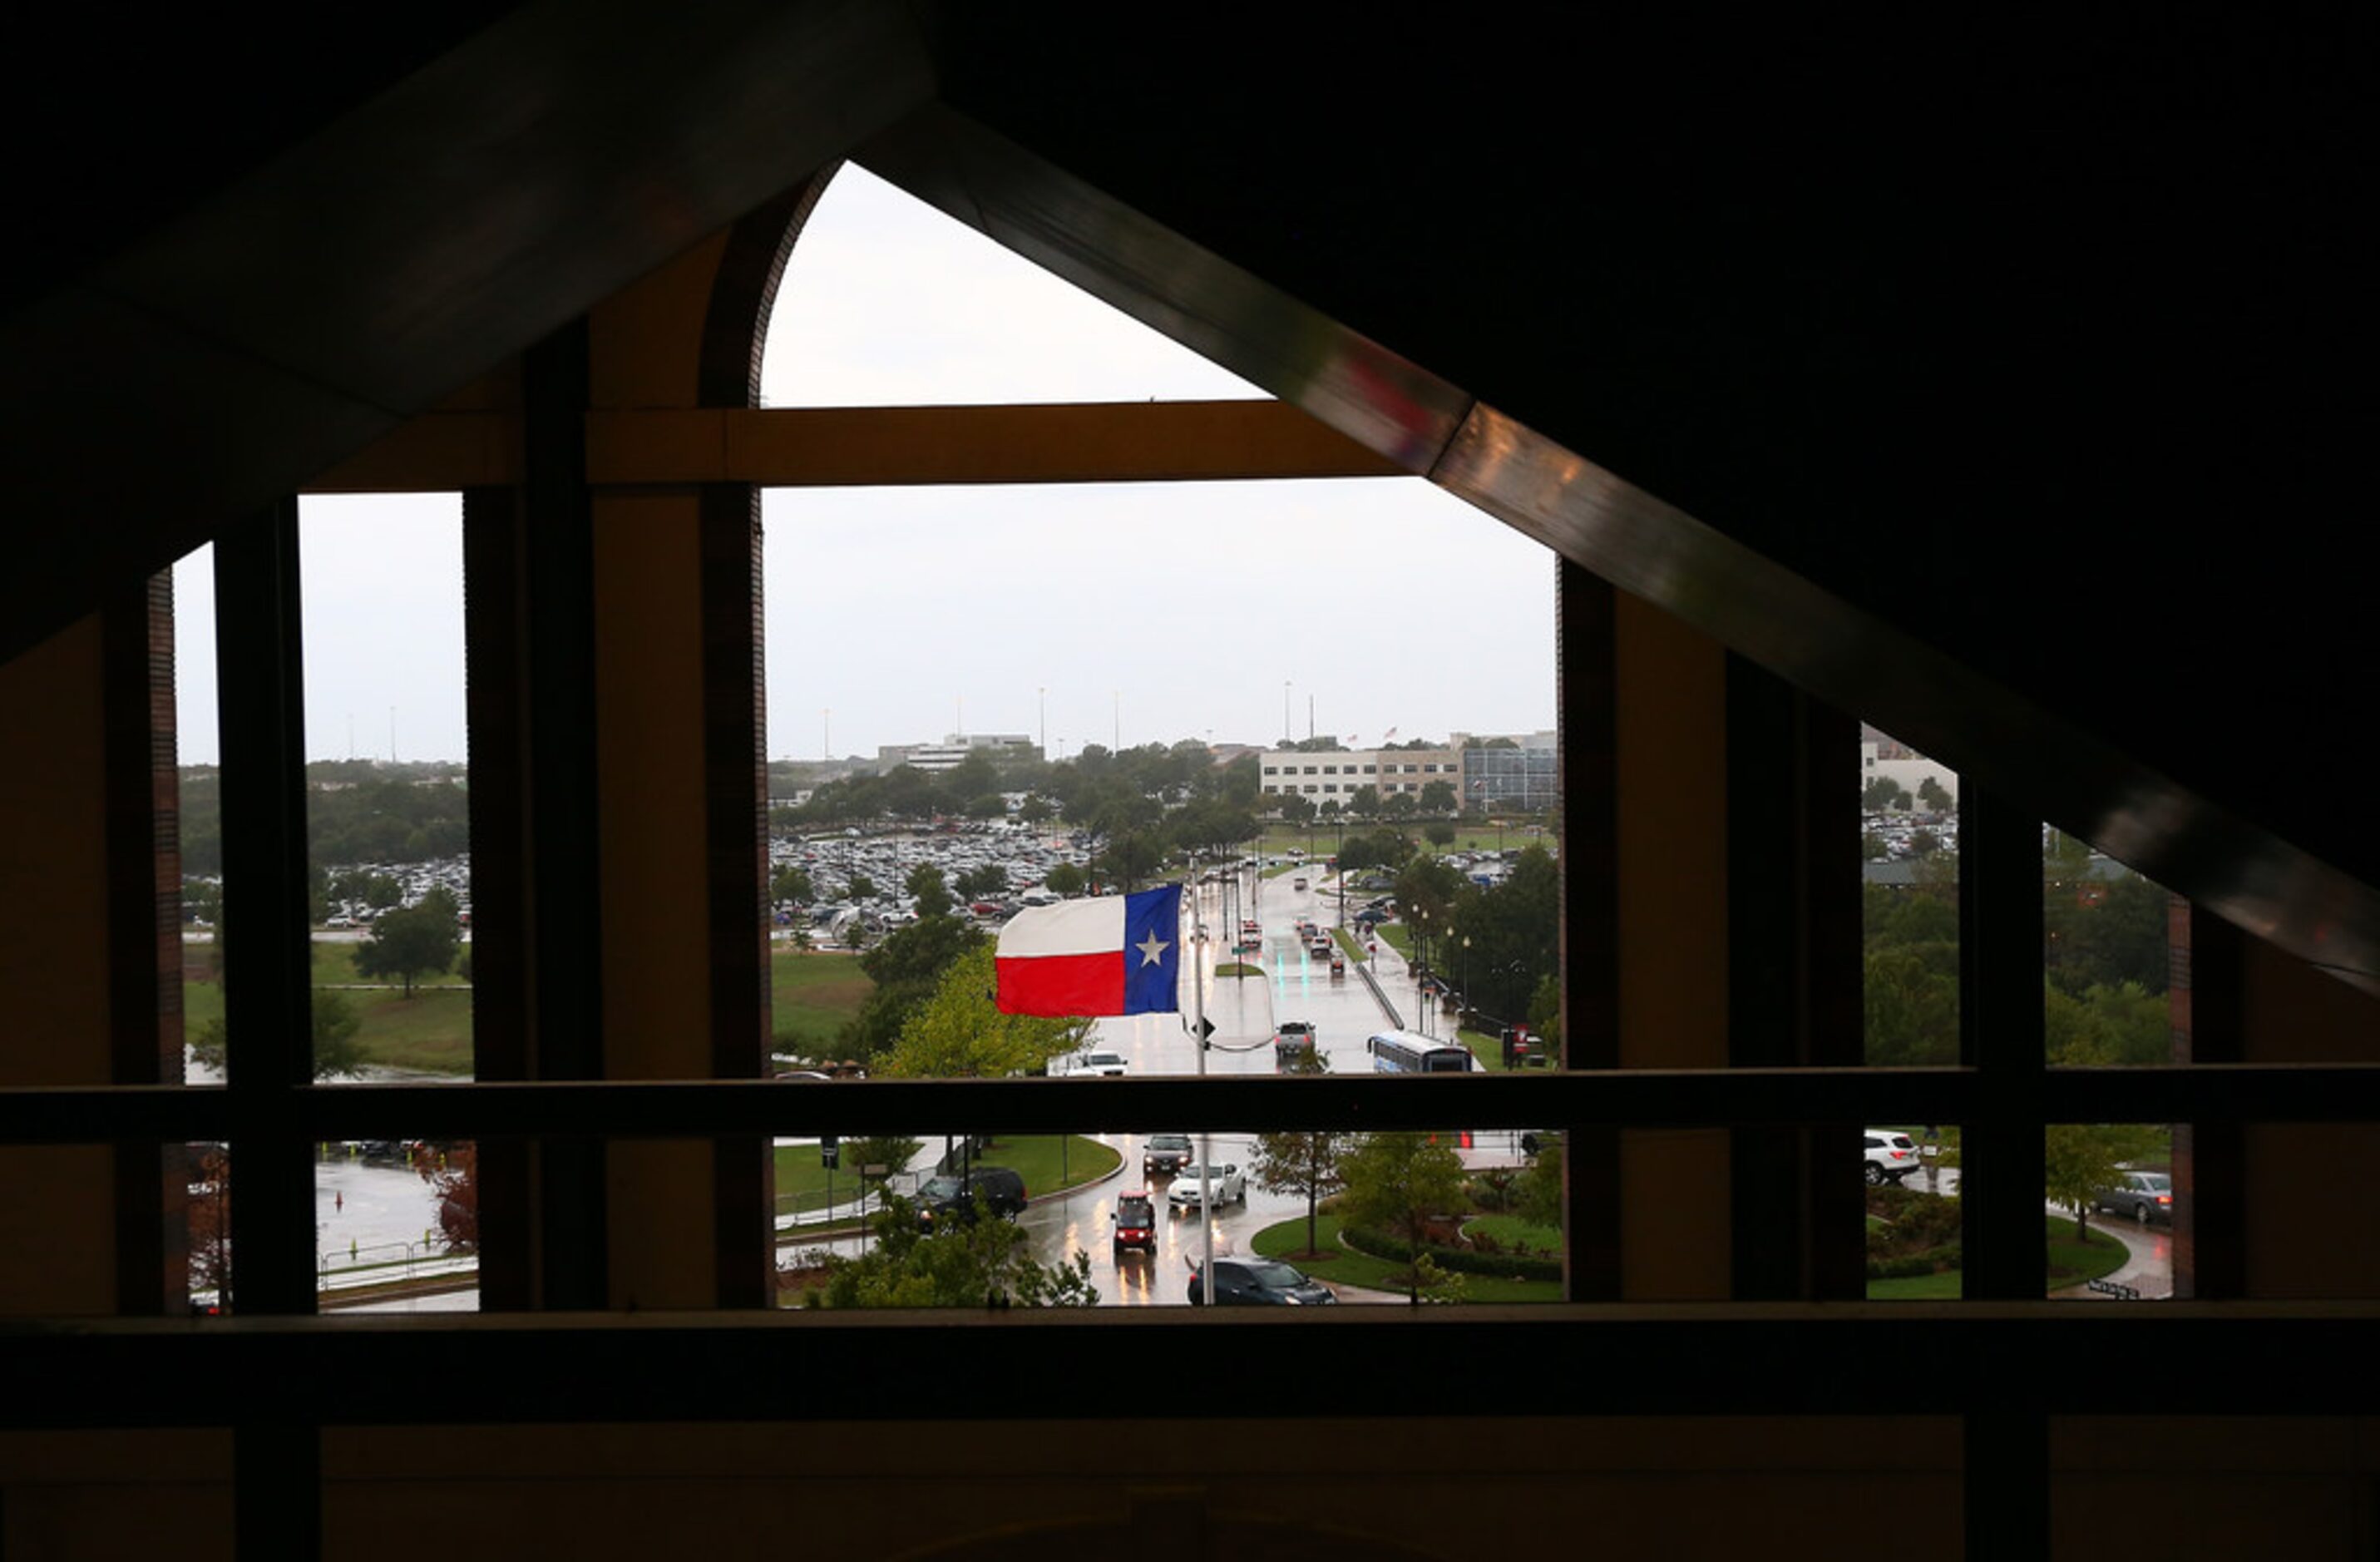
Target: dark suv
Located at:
point(1165, 1155)
point(1259, 1282)
point(1135, 1224)
point(949, 1197)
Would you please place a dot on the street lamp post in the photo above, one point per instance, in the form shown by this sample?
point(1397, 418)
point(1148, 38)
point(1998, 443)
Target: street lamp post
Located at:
point(1421, 970)
point(1462, 998)
point(1339, 865)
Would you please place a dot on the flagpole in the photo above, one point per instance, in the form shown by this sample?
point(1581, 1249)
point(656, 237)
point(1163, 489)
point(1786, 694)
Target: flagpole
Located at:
point(1205, 1137)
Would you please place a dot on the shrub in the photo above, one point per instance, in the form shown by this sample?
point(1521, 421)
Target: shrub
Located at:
point(1495, 1265)
point(1492, 1190)
point(1933, 1261)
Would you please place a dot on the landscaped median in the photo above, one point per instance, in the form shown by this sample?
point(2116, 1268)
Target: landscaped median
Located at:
point(1487, 1277)
point(1914, 1248)
point(1047, 1162)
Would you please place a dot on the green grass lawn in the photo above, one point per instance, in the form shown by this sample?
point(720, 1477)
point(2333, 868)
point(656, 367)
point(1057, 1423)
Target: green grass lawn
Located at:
point(430, 1032)
point(812, 993)
point(2069, 1264)
point(801, 1182)
point(334, 966)
point(2073, 1263)
point(1343, 1266)
point(1239, 967)
point(1349, 945)
point(1398, 937)
point(1512, 1233)
point(1488, 1049)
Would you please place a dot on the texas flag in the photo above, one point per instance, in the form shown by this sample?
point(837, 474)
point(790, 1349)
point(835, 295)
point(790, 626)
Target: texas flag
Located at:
point(1112, 954)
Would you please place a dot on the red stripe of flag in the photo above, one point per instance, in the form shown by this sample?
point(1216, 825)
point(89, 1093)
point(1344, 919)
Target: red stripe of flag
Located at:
point(1063, 985)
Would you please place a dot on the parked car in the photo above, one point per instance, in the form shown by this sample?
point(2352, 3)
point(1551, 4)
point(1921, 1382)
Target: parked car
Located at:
point(1256, 1282)
point(2147, 1197)
point(1222, 1185)
point(1165, 1153)
point(953, 1198)
point(1135, 1224)
point(1096, 1063)
point(1890, 1156)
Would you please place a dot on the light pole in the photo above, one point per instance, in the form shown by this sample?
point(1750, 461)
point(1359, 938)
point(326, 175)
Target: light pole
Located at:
point(1339, 866)
point(1421, 970)
point(1462, 996)
point(1043, 694)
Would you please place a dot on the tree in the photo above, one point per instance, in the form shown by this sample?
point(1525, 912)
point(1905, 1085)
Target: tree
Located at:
point(453, 1173)
point(1398, 1182)
point(2104, 932)
point(1437, 832)
point(1427, 884)
point(959, 1033)
point(1935, 795)
point(1882, 792)
point(2078, 1159)
point(790, 883)
point(336, 1053)
point(1538, 1194)
point(892, 1150)
point(336, 1024)
point(1130, 857)
point(1512, 929)
point(906, 968)
point(860, 887)
point(1437, 797)
point(418, 941)
point(982, 1262)
point(1303, 1164)
point(1066, 879)
point(1366, 803)
point(2122, 1025)
point(210, 1210)
point(1545, 1010)
point(926, 888)
point(982, 883)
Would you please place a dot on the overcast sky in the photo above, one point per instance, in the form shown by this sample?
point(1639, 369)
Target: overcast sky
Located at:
point(1149, 612)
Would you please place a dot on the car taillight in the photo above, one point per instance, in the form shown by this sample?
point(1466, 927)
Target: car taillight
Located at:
point(2165, 1198)
point(1903, 1154)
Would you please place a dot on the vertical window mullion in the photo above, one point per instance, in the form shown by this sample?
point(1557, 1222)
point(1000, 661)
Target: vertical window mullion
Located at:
point(268, 970)
point(2000, 1036)
point(267, 1001)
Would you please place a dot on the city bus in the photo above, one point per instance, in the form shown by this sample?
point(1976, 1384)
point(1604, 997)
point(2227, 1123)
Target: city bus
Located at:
point(1403, 1052)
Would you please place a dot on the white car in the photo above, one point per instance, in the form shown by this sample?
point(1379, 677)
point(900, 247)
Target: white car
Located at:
point(1229, 1185)
point(1891, 1156)
point(1096, 1063)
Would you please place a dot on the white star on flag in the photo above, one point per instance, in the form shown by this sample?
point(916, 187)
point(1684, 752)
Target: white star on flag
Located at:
point(1152, 949)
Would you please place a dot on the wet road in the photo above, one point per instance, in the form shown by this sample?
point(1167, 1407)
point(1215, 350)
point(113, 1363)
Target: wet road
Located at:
point(1293, 985)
